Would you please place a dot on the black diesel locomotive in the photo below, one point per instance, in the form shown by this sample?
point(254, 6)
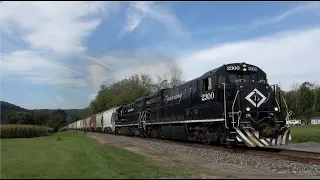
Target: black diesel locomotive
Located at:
point(231, 105)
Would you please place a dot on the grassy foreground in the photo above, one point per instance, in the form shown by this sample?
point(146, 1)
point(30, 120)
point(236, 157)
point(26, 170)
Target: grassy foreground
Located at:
point(306, 133)
point(74, 155)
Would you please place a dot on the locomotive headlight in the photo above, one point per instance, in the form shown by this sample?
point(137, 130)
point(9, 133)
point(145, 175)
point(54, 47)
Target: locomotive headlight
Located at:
point(248, 109)
point(276, 109)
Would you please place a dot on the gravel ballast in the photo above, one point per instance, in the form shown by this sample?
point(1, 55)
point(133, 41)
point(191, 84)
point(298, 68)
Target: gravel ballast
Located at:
point(306, 146)
point(218, 156)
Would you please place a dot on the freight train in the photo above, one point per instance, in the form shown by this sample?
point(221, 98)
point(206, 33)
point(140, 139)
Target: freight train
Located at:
point(232, 105)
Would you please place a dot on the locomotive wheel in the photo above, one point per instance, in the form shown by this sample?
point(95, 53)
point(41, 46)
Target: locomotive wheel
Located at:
point(197, 136)
point(206, 138)
point(222, 138)
point(206, 141)
point(160, 134)
point(154, 133)
point(230, 144)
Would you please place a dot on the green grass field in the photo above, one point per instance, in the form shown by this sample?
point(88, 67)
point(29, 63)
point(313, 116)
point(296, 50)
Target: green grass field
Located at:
point(307, 133)
point(76, 156)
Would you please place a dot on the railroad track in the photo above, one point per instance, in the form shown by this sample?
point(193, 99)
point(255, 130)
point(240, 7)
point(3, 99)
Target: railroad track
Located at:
point(278, 153)
point(287, 154)
point(302, 156)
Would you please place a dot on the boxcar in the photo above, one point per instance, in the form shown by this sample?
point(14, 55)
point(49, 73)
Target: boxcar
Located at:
point(108, 119)
point(93, 123)
point(78, 125)
point(88, 124)
point(81, 124)
point(99, 123)
point(84, 124)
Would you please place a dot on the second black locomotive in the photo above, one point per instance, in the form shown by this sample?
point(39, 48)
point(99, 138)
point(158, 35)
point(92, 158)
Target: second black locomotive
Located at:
point(232, 105)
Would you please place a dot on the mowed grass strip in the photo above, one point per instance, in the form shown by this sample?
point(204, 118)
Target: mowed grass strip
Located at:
point(73, 155)
point(305, 133)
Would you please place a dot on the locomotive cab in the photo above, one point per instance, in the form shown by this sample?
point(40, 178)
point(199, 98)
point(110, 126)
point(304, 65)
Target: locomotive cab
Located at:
point(253, 107)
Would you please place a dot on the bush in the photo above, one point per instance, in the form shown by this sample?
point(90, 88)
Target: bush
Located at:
point(23, 131)
point(62, 129)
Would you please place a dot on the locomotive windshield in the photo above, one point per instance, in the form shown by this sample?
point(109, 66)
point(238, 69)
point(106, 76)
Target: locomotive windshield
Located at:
point(246, 77)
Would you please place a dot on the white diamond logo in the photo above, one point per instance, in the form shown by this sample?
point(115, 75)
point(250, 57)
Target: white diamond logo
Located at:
point(256, 98)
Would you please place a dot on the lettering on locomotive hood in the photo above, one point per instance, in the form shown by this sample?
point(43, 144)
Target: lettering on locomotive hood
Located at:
point(178, 96)
point(256, 98)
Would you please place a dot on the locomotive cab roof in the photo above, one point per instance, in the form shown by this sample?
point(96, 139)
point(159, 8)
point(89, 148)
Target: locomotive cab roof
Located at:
point(222, 69)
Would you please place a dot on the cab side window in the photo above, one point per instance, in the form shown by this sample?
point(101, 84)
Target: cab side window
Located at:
point(261, 78)
point(214, 80)
point(207, 83)
point(221, 79)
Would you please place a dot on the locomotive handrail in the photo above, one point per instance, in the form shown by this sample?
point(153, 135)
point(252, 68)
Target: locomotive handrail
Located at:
point(225, 105)
point(275, 92)
point(289, 113)
point(240, 80)
point(234, 101)
point(239, 113)
point(139, 120)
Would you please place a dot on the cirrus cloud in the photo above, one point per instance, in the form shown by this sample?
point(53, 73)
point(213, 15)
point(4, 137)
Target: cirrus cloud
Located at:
point(56, 26)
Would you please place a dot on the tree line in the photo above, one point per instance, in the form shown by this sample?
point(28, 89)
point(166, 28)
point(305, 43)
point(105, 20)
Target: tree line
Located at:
point(128, 90)
point(303, 100)
point(49, 118)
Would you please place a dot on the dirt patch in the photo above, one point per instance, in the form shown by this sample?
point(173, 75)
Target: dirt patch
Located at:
point(205, 168)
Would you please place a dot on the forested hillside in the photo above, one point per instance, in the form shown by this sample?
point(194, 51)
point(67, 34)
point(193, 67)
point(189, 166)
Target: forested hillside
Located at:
point(5, 106)
point(13, 114)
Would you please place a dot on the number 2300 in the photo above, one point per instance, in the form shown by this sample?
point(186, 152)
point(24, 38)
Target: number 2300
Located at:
point(207, 96)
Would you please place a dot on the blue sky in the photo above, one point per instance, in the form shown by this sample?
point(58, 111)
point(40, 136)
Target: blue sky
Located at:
point(57, 54)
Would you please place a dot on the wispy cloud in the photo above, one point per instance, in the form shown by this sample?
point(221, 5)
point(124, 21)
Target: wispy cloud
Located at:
point(127, 64)
point(50, 30)
point(57, 26)
point(92, 96)
point(98, 75)
point(101, 62)
point(35, 68)
point(286, 57)
point(63, 100)
point(143, 11)
point(310, 8)
point(58, 81)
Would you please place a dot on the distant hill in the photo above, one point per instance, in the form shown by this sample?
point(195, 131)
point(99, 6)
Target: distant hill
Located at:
point(5, 106)
point(70, 112)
